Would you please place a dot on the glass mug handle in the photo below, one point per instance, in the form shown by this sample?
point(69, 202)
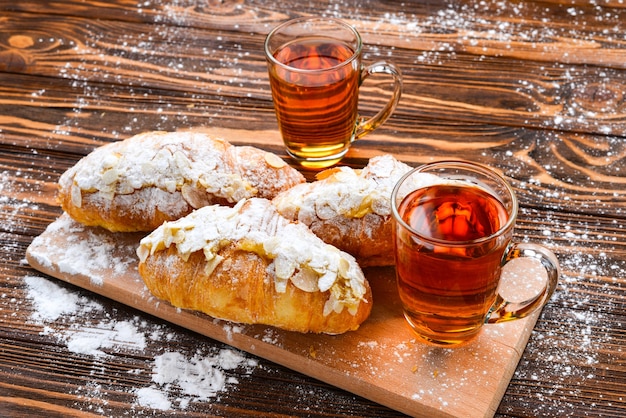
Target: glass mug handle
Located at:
point(503, 310)
point(365, 126)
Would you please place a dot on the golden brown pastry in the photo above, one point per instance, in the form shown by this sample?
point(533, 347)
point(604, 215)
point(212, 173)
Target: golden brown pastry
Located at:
point(250, 265)
point(349, 209)
point(138, 183)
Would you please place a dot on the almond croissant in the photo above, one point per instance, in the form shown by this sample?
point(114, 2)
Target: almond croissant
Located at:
point(138, 183)
point(349, 209)
point(250, 265)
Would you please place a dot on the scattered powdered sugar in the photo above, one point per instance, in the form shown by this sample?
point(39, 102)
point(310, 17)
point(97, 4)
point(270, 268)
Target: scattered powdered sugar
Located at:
point(154, 398)
point(93, 251)
point(442, 377)
point(11, 186)
point(200, 377)
point(177, 379)
point(54, 303)
point(583, 96)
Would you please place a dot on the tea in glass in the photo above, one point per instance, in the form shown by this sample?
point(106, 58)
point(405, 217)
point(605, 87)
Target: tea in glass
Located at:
point(315, 72)
point(316, 110)
point(452, 237)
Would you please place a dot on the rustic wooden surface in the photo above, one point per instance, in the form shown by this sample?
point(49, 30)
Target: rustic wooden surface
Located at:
point(535, 89)
point(381, 361)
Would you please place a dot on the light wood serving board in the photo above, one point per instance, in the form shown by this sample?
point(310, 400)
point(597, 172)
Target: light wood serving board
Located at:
point(381, 361)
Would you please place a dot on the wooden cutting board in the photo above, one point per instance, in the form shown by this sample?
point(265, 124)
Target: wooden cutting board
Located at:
point(381, 361)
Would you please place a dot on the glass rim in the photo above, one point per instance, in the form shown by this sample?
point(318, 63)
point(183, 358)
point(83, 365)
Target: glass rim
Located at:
point(357, 52)
point(483, 169)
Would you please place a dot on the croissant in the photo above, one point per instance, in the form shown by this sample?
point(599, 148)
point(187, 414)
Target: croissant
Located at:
point(137, 184)
point(349, 209)
point(250, 265)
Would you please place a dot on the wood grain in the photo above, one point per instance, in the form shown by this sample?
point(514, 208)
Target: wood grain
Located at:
point(533, 88)
point(380, 361)
point(442, 81)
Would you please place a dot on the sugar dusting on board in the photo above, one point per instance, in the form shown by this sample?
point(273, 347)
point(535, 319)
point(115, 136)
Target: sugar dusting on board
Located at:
point(86, 256)
point(177, 378)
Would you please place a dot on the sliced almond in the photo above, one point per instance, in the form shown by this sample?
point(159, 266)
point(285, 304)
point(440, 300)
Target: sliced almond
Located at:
point(196, 198)
point(274, 160)
point(327, 173)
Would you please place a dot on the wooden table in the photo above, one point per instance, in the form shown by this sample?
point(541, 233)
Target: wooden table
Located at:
point(535, 89)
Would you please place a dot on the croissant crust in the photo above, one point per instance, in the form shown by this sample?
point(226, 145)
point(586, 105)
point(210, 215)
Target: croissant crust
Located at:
point(138, 183)
point(240, 290)
point(241, 264)
point(349, 209)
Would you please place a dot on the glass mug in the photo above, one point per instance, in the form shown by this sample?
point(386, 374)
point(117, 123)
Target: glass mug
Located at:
point(453, 226)
point(315, 72)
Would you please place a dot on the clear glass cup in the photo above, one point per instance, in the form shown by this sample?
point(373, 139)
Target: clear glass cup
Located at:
point(453, 228)
point(315, 72)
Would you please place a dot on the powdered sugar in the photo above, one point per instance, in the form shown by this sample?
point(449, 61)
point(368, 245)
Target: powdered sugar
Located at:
point(55, 303)
point(52, 302)
point(153, 397)
point(176, 379)
point(200, 378)
point(12, 207)
point(99, 251)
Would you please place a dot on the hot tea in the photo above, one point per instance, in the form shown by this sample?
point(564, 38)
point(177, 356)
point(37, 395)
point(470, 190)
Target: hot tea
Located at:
point(315, 71)
point(316, 111)
point(458, 279)
point(453, 213)
point(453, 225)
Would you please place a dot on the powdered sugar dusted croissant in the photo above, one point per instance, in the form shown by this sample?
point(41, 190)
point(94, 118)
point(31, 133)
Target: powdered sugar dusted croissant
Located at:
point(250, 265)
point(349, 209)
point(138, 183)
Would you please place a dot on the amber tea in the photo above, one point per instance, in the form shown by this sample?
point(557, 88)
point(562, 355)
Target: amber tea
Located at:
point(315, 71)
point(457, 279)
point(316, 111)
point(453, 225)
